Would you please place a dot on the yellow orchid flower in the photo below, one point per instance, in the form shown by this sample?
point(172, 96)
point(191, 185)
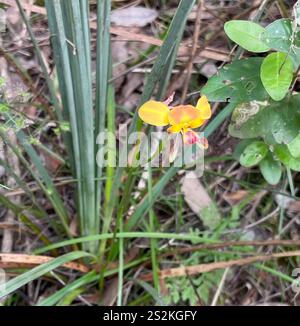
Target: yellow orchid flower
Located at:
point(182, 118)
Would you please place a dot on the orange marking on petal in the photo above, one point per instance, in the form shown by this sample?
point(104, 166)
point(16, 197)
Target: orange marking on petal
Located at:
point(183, 114)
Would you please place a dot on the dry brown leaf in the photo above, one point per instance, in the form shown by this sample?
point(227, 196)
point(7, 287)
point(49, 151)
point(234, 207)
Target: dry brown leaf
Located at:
point(28, 261)
point(111, 293)
point(235, 197)
point(287, 203)
point(198, 200)
point(119, 55)
point(194, 193)
point(134, 81)
point(133, 16)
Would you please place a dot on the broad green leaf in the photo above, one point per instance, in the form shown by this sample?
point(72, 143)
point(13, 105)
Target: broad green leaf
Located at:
point(294, 147)
point(246, 34)
point(284, 155)
point(241, 146)
point(254, 153)
point(270, 169)
point(237, 82)
point(278, 36)
point(275, 122)
point(277, 74)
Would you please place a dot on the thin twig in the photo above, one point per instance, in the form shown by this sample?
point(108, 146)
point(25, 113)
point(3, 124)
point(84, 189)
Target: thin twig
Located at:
point(220, 287)
point(203, 268)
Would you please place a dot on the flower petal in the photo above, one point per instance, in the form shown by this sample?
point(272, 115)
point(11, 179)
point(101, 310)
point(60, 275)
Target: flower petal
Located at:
point(197, 123)
point(175, 128)
point(203, 143)
point(183, 114)
point(154, 113)
point(204, 107)
point(190, 137)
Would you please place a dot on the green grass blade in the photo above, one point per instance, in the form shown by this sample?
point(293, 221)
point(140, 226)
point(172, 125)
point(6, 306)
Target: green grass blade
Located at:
point(219, 119)
point(61, 57)
point(120, 267)
point(103, 67)
point(153, 243)
point(126, 235)
point(27, 277)
point(60, 294)
point(143, 208)
point(74, 26)
point(110, 170)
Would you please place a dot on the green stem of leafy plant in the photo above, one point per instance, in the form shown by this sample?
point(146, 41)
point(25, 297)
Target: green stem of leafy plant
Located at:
point(275, 272)
point(291, 181)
